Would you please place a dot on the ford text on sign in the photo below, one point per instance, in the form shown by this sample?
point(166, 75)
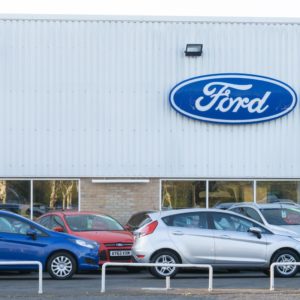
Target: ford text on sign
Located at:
point(233, 98)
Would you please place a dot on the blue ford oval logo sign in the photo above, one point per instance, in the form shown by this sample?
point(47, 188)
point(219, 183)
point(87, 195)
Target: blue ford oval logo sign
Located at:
point(233, 98)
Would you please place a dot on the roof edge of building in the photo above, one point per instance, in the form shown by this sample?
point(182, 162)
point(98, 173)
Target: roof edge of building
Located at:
point(132, 18)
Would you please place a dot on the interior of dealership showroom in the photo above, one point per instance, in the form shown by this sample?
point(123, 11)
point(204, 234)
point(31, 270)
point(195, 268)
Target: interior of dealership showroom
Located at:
point(32, 198)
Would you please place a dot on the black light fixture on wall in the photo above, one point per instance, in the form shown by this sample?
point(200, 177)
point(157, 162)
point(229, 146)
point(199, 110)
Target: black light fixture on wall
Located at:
point(193, 50)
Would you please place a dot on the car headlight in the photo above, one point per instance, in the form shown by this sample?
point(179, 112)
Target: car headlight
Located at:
point(86, 244)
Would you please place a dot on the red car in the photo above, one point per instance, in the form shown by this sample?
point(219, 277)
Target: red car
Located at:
point(115, 241)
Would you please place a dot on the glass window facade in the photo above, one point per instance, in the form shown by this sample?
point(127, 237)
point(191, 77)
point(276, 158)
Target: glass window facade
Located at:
point(47, 195)
point(15, 196)
point(192, 193)
point(54, 195)
point(182, 194)
point(274, 191)
point(229, 192)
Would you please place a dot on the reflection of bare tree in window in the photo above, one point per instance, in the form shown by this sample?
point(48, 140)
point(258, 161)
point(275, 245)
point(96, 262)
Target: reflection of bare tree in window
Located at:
point(66, 188)
point(3, 191)
point(167, 201)
point(63, 188)
point(53, 195)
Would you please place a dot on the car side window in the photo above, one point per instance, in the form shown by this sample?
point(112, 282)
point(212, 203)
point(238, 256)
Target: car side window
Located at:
point(45, 221)
point(15, 225)
point(229, 222)
point(238, 210)
point(57, 221)
point(248, 212)
point(187, 220)
point(253, 214)
point(5, 226)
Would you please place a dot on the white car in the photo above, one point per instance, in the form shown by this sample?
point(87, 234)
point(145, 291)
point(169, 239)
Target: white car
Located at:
point(275, 216)
point(216, 237)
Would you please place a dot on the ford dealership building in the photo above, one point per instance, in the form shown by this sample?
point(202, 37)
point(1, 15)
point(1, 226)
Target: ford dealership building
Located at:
point(123, 114)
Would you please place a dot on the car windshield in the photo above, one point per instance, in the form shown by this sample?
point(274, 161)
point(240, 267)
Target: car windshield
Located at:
point(92, 223)
point(281, 216)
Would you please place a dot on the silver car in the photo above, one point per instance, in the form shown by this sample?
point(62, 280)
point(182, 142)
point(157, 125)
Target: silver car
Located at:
point(217, 237)
point(275, 216)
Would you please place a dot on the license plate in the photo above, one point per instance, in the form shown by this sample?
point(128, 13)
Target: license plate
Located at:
point(120, 253)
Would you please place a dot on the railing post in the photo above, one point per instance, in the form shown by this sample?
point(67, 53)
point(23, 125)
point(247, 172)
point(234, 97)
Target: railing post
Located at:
point(210, 278)
point(209, 267)
point(40, 278)
point(27, 262)
point(103, 270)
point(168, 282)
point(272, 277)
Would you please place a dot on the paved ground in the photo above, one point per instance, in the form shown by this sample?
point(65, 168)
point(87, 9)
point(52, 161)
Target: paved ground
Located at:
point(121, 285)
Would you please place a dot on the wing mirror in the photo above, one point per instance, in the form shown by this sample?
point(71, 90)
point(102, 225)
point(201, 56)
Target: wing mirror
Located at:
point(32, 233)
point(255, 231)
point(58, 229)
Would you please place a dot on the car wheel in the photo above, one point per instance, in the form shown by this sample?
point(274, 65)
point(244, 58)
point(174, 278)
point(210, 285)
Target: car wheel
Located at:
point(164, 257)
point(61, 265)
point(285, 256)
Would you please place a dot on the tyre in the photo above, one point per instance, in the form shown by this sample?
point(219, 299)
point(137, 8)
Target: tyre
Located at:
point(165, 257)
point(61, 265)
point(285, 256)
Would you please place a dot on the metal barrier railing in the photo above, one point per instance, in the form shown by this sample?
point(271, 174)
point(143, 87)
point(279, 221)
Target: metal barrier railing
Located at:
point(209, 267)
point(27, 262)
point(279, 264)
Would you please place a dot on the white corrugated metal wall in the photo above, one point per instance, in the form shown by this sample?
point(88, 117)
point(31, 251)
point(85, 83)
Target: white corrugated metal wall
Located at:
point(89, 98)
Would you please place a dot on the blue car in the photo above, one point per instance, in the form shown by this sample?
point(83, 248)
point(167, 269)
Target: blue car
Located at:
point(61, 254)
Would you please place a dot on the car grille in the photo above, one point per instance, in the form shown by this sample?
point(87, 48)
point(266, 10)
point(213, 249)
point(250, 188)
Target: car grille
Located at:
point(119, 258)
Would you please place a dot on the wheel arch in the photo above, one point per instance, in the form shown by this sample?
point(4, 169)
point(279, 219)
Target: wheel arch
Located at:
point(282, 249)
point(166, 249)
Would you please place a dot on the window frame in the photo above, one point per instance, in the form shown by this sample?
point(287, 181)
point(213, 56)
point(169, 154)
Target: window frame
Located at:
point(31, 180)
point(207, 180)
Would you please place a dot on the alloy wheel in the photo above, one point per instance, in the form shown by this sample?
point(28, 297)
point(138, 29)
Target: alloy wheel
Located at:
point(287, 269)
point(165, 259)
point(61, 266)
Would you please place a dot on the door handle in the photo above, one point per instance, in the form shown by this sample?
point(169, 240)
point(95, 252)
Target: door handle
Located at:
point(177, 233)
point(224, 236)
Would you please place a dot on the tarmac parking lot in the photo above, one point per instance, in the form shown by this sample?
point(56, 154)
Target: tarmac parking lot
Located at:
point(121, 285)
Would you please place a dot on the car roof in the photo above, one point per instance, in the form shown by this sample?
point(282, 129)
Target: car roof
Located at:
point(165, 213)
point(9, 213)
point(266, 205)
point(170, 212)
point(72, 213)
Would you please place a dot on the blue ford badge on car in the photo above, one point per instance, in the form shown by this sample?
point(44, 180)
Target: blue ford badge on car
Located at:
point(233, 98)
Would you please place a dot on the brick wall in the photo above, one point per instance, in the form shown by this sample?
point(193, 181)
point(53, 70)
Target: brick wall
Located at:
point(119, 200)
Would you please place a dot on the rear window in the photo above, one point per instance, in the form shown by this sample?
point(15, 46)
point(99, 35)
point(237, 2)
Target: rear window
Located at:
point(139, 220)
point(145, 221)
